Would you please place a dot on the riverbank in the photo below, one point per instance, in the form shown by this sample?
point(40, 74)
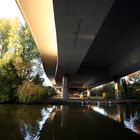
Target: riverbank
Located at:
point(87, 101)
point(84, 101)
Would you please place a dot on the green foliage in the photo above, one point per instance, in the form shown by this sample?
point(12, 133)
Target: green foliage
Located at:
point(83, 94)
point(38, 80)
point(4, 28)
point(9, 82)
point(19, 61)
point(50, 91)
point(107, 95)
point(29, 92)
point(134, 91)
point(30, 51)
point(106, 91)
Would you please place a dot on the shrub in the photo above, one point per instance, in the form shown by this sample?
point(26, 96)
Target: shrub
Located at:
point(107, 95)
point(29, 92)
point(134, 91)
point(106, 91)
point(9, 82)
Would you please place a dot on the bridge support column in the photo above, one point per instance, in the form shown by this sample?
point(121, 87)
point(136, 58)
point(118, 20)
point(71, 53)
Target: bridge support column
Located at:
point(117, 89)
point(65, 83)
point(88, 93)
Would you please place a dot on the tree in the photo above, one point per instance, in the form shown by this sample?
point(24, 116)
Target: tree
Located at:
point(134, 85)
point(38, 80)
point(9, 81)
point(4, 28)
point(18, 58)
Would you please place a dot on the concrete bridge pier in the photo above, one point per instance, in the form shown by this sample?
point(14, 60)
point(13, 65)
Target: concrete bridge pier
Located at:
point(88, 93)
point(65, 87)
point(117, 89)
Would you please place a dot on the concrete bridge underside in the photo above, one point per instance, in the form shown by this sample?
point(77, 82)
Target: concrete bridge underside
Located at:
point(90, 41)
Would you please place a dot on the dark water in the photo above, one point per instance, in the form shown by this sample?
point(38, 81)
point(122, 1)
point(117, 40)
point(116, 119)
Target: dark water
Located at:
point(36, 122)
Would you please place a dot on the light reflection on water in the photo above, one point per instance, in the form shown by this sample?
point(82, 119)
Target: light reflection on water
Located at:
point(27, 129)
point(128, 115)
point(18, 122)
point(38, 122)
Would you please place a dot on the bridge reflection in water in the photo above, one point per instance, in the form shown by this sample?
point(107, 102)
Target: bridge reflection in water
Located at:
point(127, 115)
point(37, 122)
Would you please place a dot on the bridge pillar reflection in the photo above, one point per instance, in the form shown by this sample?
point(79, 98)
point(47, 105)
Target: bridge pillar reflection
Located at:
point(65, 87)
point(117, 89)
point(64, 117)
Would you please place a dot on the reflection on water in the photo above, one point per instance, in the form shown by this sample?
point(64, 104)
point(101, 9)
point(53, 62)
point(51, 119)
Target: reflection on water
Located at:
point(128, 115)
point(64, 116)
point(22, 121)
point(36, 122)
point(33, 133)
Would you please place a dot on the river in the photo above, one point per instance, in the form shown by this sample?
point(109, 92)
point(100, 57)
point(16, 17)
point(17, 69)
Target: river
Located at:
point(73, 122)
